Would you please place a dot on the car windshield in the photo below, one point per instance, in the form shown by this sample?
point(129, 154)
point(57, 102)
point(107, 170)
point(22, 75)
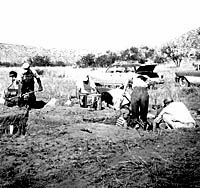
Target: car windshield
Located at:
point(119, 69)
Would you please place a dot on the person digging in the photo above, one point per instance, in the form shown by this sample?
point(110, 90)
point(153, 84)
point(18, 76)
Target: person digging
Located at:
point(26, 81)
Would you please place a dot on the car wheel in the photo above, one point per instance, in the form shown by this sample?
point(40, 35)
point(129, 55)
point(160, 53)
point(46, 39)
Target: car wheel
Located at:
point(183, 82)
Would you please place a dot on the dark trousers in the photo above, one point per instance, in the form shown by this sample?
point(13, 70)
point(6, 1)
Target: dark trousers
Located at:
point(139, 104)
point(28, 100)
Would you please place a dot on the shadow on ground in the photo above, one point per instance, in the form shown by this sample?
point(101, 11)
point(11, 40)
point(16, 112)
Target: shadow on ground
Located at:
point(64, 150)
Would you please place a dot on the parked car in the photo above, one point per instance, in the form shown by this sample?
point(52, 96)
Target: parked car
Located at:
point(117, 74)
point(189, 77)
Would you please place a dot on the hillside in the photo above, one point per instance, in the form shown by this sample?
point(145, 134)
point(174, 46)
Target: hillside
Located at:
point(18, 53)
point(11, 53)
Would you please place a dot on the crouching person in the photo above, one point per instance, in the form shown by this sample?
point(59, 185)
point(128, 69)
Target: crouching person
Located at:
point(87, 88)
point(174, 115)
point(122, 121)
point(116, 98)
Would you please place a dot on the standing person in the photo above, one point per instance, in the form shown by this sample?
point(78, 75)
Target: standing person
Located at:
point(26, 85)
point(139, 100)
point(11, 93)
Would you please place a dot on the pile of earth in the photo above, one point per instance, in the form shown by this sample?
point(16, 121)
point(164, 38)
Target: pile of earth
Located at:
point(74, 147)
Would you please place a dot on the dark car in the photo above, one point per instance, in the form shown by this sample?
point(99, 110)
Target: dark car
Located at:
point(189, 77)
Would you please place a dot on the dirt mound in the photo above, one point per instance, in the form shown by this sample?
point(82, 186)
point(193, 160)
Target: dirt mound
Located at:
point(15, 116)
point(65, 147)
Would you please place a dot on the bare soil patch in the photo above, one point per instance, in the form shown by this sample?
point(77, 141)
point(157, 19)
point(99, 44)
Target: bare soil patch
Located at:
point(74, 147)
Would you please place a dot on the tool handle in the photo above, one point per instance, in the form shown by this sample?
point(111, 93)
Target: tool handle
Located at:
point(23, 94)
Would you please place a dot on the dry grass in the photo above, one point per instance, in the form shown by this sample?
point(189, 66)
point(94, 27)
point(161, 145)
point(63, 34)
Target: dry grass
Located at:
point(59, 82)
point(13, 116)
point(58, 153)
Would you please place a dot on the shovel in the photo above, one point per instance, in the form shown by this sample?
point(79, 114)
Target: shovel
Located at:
point(23, 94)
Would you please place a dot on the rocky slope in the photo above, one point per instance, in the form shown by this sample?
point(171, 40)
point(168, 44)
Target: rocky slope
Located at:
point(18, 53)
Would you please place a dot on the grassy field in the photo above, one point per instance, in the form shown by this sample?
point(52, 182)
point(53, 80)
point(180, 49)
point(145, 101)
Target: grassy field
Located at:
point(74, 147)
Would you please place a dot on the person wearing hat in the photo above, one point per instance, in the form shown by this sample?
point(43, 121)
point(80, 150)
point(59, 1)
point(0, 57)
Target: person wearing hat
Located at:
point(174, 115)
point(26, 81)
point(11, 93)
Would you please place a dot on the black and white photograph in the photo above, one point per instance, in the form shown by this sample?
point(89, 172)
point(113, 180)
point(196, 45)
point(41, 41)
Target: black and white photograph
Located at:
point(100, 94)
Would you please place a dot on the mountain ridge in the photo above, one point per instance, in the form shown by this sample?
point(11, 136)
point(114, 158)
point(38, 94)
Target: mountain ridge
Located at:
point(16, 53)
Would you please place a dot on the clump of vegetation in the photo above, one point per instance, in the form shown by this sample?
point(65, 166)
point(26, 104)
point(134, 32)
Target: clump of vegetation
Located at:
point(158, 59)
point(190, 90)
point(59, 64)
point(44, 61)
point(40, 61)
point(140, 55)
point(8, 64)
point(40, 72)
point(87, 61)
point(173, 53)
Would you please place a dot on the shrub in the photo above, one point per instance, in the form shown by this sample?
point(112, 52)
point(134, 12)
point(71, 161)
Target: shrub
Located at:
point(105, 60)
point(173, 53)
point(40, 72)
point(159, 59)
point(8, 64)
point(60, 63)
point(40, 61)
point(87, 61)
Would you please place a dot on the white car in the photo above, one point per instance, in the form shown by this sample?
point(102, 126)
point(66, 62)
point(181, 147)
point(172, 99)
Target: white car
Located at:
point(118, 73)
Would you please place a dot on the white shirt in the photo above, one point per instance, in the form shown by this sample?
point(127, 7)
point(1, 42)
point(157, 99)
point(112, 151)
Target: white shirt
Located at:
point(118, 99)
point(137, 82)
point(88, 88)
point(178, 112)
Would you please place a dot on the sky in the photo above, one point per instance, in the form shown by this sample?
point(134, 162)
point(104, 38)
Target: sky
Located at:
point(96, 24)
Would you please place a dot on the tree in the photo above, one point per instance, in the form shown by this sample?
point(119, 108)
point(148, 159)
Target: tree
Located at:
point(106, 59)
point(172, 52)
point(60, 63)
point(158, 59)
point(197, 55)
point(130, 54)
point(148, 53)
point(40, 61)
point(125, 55)
point(134, 53)
point(87, 61)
